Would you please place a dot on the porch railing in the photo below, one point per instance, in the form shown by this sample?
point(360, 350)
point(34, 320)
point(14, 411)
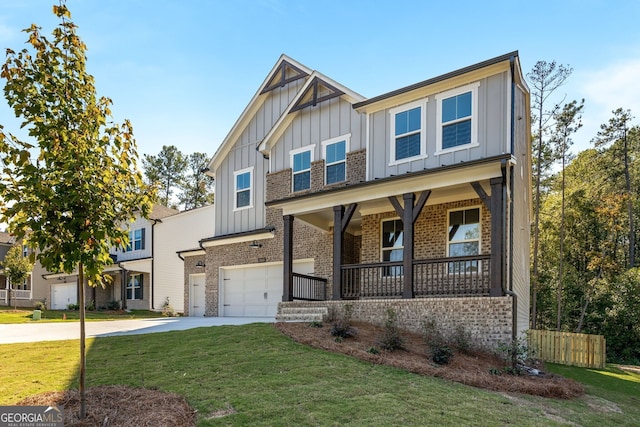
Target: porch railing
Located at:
point(3, 295)
point(442, 277)
point(309, 288)
point(21, 294)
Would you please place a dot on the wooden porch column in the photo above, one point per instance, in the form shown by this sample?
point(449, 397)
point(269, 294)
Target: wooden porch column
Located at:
point(287, 294)
point(340, 222)
point(497, 237)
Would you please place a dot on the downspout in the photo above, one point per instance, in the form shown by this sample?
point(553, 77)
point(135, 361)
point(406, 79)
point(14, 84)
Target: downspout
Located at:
point(510, 292)
point(153, 235)
point(514, 314)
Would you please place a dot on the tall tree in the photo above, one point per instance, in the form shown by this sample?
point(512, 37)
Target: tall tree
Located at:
point(567, 122)
point(545, 78)
point(619, 135)
point(196, 188)
point(17, 268)
point(166, 170)
point(71, 200)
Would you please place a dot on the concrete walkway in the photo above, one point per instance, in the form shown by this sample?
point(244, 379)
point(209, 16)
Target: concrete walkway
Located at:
point(35, 332)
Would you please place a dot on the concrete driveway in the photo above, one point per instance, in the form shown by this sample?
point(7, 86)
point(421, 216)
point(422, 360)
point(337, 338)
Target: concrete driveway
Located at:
point(35, 332)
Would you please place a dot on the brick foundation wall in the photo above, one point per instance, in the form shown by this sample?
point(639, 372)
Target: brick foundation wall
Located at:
point(488, 320)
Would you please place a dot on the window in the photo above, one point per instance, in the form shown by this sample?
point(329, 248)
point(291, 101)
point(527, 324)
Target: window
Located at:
point(243, 184)
point(457, 118)
point(407, 132)
point(301, 165)
point(134, 287)
point(136, 240)
point(392, 245)
point(335, 156)
point(463, 238)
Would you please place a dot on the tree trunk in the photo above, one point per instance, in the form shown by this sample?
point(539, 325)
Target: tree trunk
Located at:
point(561, 263)
point(83, 397)
point(536, 227)
point(627, 178)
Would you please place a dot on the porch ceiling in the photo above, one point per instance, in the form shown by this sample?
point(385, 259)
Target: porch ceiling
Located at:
point(139, 266)
point(445, 186)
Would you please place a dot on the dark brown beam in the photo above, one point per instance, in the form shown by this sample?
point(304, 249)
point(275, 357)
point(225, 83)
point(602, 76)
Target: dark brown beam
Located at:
point(486, 199)
point(338, 250)
point(497, 237)
point(287, 294)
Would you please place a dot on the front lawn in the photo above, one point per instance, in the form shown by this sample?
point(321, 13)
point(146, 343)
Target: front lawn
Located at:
point(268, 379)
point(24, 315)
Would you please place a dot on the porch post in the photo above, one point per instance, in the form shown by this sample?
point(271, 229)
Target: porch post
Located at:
point(338, 250)
point(497, 237)
point(407, 253)
point(287, 294)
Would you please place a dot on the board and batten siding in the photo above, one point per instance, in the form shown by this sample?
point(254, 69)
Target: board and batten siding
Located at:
point(139, 254)
point(178, 232)
point(243, 155)
point(521, 211)
point(313, 125)
point(492, 115)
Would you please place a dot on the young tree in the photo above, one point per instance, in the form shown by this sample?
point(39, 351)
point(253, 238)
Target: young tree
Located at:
point(17, 268)
point(567, 122)
point(545, 78)
point(71, 200)
point(621, 138)
point(196, 188)
point(166, 170)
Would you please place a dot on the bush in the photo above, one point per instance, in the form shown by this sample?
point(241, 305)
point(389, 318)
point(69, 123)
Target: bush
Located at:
point(167, 309)
point(517, 354)
point(72, 307)
point(113, 305)
point(315, 324)
point(342, 327)
point(91, 306)
point(440, 352)
point(391, 339)
point(40, 305)
point(462, 340)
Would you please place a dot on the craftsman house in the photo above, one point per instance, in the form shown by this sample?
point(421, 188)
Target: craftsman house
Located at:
point(417, 200)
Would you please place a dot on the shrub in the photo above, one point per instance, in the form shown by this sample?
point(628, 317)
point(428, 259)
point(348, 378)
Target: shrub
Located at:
point(315, 324)
point(167, 309)
point(462, 340)
point(391, 339)
point(72, 307)
point(440, 352)
point(40, 305)
point(517, 354)
point(342, 327)
point(113, 305)
point(373, 350)
point(91, 306)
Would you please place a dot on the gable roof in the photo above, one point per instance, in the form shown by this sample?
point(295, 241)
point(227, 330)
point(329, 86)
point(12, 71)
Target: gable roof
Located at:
point(6, 239)
point(277, 75)
point(159, 212)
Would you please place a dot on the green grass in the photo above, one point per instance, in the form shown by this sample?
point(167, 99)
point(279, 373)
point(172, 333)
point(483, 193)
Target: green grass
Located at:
point(272, 381)
point(24, 315)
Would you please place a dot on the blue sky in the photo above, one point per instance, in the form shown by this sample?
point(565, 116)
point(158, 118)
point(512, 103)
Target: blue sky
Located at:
point(183, 71)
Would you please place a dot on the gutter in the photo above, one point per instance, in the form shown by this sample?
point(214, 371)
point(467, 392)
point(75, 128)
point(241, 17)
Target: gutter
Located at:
point(514, 308)
point(514, 314)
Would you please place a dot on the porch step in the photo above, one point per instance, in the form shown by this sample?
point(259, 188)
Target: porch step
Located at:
point(302, 314)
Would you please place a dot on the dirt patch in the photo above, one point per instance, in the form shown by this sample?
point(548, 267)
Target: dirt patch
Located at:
point(119, 406)
point(471, 369)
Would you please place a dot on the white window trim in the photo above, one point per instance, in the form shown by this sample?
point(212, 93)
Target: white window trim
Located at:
point(473, 88)
point(133, 288)
point(423, 131)
point(479, 239)
point(347, 141)
point(292, 153)
point(235, 189)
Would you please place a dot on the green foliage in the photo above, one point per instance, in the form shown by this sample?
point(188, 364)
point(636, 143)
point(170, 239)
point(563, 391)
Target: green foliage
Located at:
point(341, 327)
point(315, 324)
point(91, 306)
point(462, 340)
point(16, 267)
point(391, 339)
point(166, 171)
point(40, 305)
point(196, 187)
point(373, 350)
point(439, 349)
point(517, 354)
point(73, 307)
point(113, 305)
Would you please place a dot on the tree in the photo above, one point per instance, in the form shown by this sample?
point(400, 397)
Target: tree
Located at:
point(71, 200)
point(17, 268)
point(196, 188)
point(568, 121)
point(619, 135)
point(165, 170)
point(545, 78)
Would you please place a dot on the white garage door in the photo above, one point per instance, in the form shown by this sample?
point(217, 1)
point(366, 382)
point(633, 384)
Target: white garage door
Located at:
point(255, 291)
point(62, 295)
point(196, 295)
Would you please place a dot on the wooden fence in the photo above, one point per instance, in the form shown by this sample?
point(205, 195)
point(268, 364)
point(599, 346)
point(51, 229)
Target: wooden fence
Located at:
point(587, 351)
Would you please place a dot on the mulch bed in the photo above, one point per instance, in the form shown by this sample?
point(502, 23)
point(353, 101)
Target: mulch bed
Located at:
point(119, 406)
point(470, 369)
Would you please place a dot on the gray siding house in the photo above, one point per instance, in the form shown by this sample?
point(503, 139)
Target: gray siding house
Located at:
point(417, 200)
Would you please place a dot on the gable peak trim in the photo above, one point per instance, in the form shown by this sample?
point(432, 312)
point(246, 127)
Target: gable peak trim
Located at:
point(285, 73)
point(312, 95)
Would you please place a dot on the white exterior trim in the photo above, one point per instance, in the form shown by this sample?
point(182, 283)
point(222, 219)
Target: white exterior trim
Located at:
point(311, 148)
point(422, 103)
point(252, 187)
point(473, 88)
point(347, 142)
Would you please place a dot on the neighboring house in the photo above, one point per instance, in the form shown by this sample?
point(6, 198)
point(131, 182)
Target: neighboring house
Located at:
point(145, 274)
point(417, 199)
point(21, 292)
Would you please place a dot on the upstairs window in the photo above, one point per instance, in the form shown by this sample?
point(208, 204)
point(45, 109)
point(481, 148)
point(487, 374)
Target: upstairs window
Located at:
point(457, 118)
point(392, 245)
point(407, 132)
point(243, 188)
point(301, 166)
point(335, 156)
point(136, 240)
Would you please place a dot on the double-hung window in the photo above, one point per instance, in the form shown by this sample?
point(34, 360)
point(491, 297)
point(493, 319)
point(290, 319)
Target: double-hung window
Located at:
point(463, 238)
point(134, 287)
point(335, 157)
point(243, 188)
point(136, 240)
point(408, 132)
point(301, 167)
point(457, 118)
point(392, 245)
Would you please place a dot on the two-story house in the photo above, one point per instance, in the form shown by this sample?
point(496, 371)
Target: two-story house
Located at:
point(21, 292)
point(417, 200)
